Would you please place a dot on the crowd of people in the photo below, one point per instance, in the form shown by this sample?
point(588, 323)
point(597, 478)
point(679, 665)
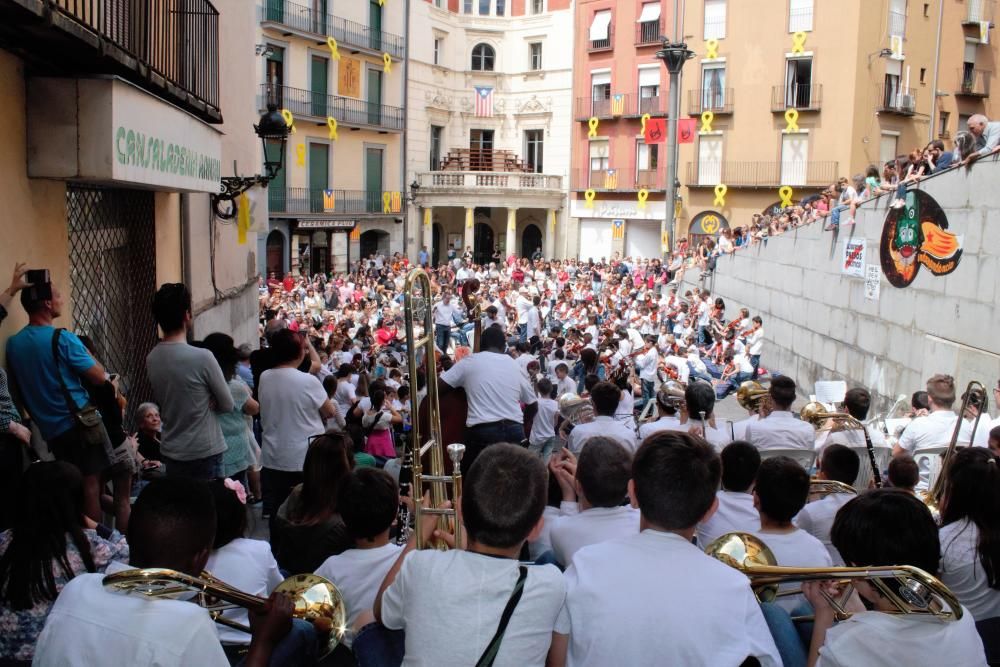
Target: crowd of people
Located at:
point(596, 475)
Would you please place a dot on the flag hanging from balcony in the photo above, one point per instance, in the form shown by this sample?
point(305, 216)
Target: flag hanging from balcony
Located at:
point(984, 32)
point(611, 179)
point(329, 201)
point(656, 131)
point(686, 130)
point(484, 102)
point(617, 105)
point(617, 229)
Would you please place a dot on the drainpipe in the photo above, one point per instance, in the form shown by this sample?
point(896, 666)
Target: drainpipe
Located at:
point(402, 167)
point(937, 67)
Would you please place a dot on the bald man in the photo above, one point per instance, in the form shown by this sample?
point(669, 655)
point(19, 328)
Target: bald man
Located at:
point(987, 136)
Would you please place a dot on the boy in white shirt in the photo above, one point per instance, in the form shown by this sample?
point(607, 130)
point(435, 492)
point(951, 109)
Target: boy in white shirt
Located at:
point(564, 383)
point(598, 483)
point(668, 400)
point(840, 464)
point(367, 501)
point(736, 511)
point(878, 528)
point(654, 597)
point(502, 502)
point(605, 397)
point(543, 440)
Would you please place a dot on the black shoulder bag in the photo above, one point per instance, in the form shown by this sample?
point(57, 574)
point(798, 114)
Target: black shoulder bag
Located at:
point(490, 654)
point(88, 420)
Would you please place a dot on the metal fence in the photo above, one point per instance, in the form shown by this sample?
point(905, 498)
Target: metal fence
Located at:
point(309, 200)
point(320, 105)
point(347, 33)
point(112, 258)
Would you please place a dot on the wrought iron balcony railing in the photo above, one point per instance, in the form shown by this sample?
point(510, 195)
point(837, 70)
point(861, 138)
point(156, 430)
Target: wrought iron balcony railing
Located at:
point(627, 105)
point(808, 97)
point(347, 110)
point(761, 174)
point(335, 202)
point(902, 101)
point(619, 180)
point(717, 100)
point(347, 33)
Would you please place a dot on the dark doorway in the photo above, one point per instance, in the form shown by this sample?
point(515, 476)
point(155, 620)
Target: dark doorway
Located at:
point(531, 240)
point(482, 250)
point(374, 242)
point(276, 253)
point(435, 244)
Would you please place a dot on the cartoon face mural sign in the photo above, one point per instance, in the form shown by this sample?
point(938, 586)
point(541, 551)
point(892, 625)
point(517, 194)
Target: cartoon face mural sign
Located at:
point(917, 235)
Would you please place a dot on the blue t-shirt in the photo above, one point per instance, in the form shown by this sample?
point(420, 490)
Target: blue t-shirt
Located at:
point(29, 355)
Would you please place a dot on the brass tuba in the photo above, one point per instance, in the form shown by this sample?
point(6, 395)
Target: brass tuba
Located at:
point(575, 409)
point(417, 306)
point(750, 395)
point(908, 588)
point(316, 600)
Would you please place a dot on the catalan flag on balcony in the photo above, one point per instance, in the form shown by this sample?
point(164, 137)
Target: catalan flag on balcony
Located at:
point(396, 202)
point(329, 201)
point(617, 229)
point(617, 105)
point(355, 234)
point(611, 179)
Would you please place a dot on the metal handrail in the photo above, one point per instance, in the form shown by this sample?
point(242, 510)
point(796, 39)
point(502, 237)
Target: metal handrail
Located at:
point(346, 110)
point(346, 32)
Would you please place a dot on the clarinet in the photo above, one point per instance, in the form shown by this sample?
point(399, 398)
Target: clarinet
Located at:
point(871, 457)
point(403, 515)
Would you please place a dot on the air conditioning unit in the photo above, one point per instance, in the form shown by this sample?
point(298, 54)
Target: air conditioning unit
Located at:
point(908, 104)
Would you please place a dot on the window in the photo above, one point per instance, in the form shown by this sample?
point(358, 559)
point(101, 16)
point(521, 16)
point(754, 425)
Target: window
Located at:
point(439, 3)
point(649, 90)
point(927, 10)
point(501, 7)
point(436, 131)
point(537, 6)
point(943, 129)
point(715, 19)
point(713, 87)
point(598, 162)
point(646, 163)
point(467, 7)
point(600, 30)
point(794, 159)
point(798, 83)
point(483, 56)
point(484, 7)
point(923, 74)
point(535, 55)
point(709, 160)
point(892, 94)
point(897, 18)
point(649, 23)
point(969, 65)
point(887, 147)
point(437, 50)
point(800, 15)
point(600, 93)
point(533, 144)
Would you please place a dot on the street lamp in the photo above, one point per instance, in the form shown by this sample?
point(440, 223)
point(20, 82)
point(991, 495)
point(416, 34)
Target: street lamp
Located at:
point(272, 127)
point(673, 55)
point(411, 196)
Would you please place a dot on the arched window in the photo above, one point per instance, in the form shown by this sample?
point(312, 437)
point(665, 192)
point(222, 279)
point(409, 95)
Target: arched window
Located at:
point(483, 57)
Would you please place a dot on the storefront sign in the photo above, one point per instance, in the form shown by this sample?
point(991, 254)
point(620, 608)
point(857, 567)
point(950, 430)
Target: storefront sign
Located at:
point(611, 210)
point(108, 130)
point(853, 258)
point(326, 224)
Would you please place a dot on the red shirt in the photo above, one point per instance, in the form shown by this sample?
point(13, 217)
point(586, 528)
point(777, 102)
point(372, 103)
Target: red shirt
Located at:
point(288, 283)
point(385, 336)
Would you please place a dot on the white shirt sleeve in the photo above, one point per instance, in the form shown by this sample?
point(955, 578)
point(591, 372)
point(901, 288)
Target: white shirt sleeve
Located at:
point(454, 376)
point(762, 644)
point(203, 647)
point(394, 598)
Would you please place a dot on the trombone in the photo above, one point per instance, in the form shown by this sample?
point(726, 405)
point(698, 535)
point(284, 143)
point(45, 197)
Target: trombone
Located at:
point(417, 305)
point(821, 488)
point(975, 392)
point(814, 413)
point(908, 588)
point(316, 599)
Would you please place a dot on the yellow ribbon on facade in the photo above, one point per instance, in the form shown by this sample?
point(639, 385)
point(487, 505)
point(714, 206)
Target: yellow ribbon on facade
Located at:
point(720, 195)
point(468, 218)
point(381, 3)
point(289, 119)
point(552, 218)
point(644, 119)
point(665, 242)
point(332, 43)
point(243, 219)
point(706, 121)
point(386, 202)
point(594, 122)
point(712, 49)
point(643, 196)
point(799, 42)
point(786, 192)
point(590, 195)
point(331, 122)
point(792, 120)
point(427, 217)
point(387, 59)
point(300, 150)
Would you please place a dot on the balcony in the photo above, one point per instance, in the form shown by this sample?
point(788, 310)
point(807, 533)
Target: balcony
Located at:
point(594, 45)
point(978, 11)
point(717, 100)
point(347, 110)
point(294, 201)
point(761, 174)
point(974, 82)
point(309, 22)
point(629, 106)
point(900, 101)
point(798, 97)
point(649, 33)
point(167, 47)
point(483, 159)
point(622, 180)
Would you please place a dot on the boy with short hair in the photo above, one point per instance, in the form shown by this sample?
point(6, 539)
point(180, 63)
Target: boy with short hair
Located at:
point(564, 383)
point(543, 440)
point(655, 596)
point(605, 397)
point(904, 473)
point(840, 464)
point(502, 502)
point(736, 511)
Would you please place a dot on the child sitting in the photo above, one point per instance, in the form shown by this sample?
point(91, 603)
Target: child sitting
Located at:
point(904, 473)
point(736, 512)
point(840, 464)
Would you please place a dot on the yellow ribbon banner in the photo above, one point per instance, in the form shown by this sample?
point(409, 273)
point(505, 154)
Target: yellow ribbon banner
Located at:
point(786, 192)
point(386, 202)
point(300, 150)
point(243, 219)
point(594, 122)
point(427, 217)
point(712, 49)
point(792, 120)
point(289, 119)
point(332, 43)
point(468, 218)
point(643, 196)
point(387, 60)
point(706, 121)
point(331, 122)
point(665, 242)
point(590, 195)
point(720, 195)
point(799, 42)
point(645, 118)
point(552, 218)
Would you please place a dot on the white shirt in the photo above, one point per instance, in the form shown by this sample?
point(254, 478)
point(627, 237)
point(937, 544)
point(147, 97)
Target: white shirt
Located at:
point(655, 598)
point(444, 313)
point(736, 513)
point(982, 432)
point(742, 363)
point(625, 412)
point(739, 430)
point(781, 430)
point(874, 639)
point(795, 549)
point(646, 363)
point(565, 385)
point(816, 518)
point(962, 572)
point(662, 424)
point(609, 427)
point(289, 414)
point(523, 305)
point(249, 566)
point(471, 591)
point(681, 364)
point(344, 397)
point(523, 361)
point(855, 438)
point(755, 342)
point(931, 430)
point(597, 524)
point(533, 321)
point(543, 426)
point(91, 626)
point(495, 385)
point(358, 574)
point(544, 541)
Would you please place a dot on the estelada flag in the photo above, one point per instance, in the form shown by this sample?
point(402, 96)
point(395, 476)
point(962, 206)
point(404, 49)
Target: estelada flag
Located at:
point(685, 130)
point(656, 131)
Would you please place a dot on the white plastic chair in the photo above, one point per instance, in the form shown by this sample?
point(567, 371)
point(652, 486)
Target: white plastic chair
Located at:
point(865, 476)
point(929, 462)
point(804, 457)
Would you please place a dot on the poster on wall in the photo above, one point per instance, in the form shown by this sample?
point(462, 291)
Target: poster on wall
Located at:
point(917, 235)
point(873, 282)
point(853, 258)
point(349, 77)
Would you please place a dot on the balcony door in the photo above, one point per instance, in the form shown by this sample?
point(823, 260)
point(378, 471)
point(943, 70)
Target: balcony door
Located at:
point(713, 87)
point(276, 193)
point(481, 150)
point(709, 160)
point(374, 25)
point(319, 17)
point(600, 93)
point(533, 145)
point(274, 10)
point(798, 83)
point(318, 87)
point(373, 180)
point(274, 76)
point(794, 159)
point(374, 96)
point(319, 175)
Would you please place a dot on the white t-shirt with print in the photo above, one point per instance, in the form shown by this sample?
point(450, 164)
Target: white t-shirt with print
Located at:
point(289, 414)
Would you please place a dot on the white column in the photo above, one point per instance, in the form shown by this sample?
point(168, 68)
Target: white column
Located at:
point(511, 230)
point(426, 235)
point(470, 238)
point(550, 235)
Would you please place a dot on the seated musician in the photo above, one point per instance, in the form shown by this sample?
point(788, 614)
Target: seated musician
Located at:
point(840, 464)
point(668, 399)
point(736, 511)
point(781, 429)
point(629, 601)
point(903, 473)
point(699, 416)
point(936, 427)
point(857, 402)
point(605, 397)
point(172, 526)
point(597, 483)
point(496, 387)
point(885, 527)
point(451, 603)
